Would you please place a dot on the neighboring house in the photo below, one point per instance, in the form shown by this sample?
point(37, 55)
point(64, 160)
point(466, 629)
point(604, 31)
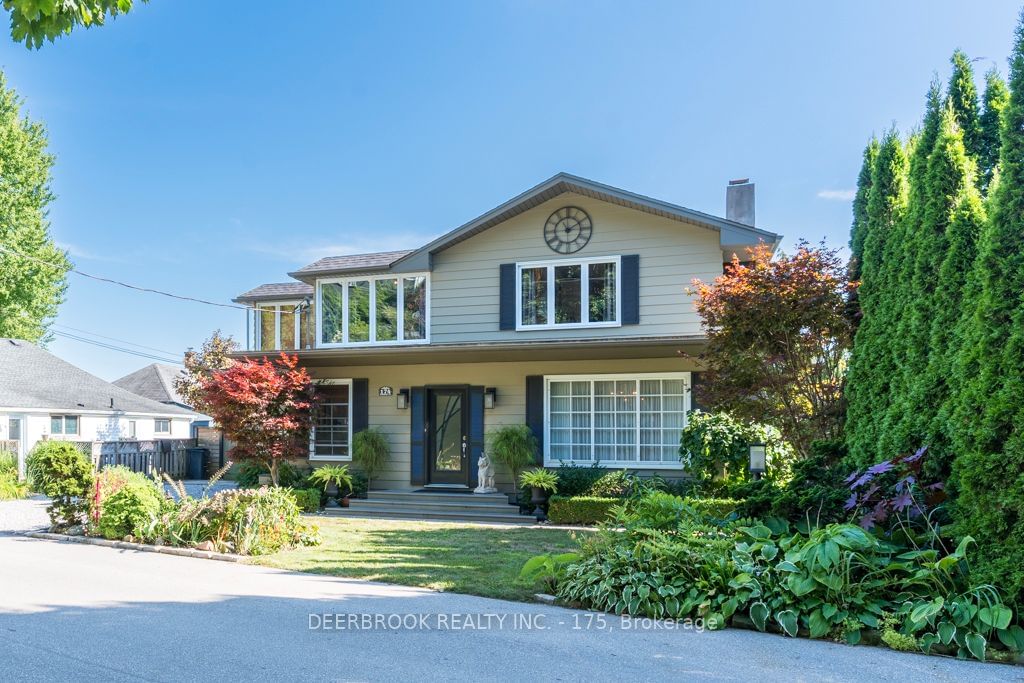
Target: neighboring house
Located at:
point(155, 382)
point(564, 308)
point(44, 397)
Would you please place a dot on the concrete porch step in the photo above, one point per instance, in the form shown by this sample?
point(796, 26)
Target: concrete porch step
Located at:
point(434, 505)
point(441, 506)
point(439, 496)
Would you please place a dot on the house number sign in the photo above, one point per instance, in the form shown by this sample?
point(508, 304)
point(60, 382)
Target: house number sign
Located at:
point(386, 391)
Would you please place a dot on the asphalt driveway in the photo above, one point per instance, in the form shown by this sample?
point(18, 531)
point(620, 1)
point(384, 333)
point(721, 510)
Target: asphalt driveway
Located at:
point(84, 613)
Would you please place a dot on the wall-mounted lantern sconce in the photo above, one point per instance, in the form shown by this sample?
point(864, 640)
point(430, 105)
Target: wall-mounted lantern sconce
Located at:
point(758, 459)
point(490, 397)
point(403, 399)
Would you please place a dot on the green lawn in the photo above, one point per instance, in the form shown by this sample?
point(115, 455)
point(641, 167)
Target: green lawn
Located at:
point(460, 558)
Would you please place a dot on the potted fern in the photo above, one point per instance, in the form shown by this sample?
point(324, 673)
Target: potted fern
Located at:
point(370, 451)
point(541, 482)
point(333, 479)
point(513, 446)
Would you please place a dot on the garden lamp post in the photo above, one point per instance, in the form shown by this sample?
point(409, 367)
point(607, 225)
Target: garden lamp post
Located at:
point(758, 460)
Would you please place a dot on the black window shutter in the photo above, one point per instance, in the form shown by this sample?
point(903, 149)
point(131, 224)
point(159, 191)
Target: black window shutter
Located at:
point(476, 431)
point(417, 436)
point(695, 390)
point(360, 405)
point(507, 296)
point(631, 289)
point(535, 412)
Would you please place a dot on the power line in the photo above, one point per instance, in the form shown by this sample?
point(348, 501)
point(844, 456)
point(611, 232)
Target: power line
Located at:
point(8, 250)
point(111, 347)
point(122, 341)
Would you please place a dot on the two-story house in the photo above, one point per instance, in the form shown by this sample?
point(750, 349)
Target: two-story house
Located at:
point(565, 308)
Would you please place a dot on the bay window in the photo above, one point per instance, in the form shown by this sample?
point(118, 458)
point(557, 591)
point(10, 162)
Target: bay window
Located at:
point(617, 420)
point(388, 309)
point(576, 293)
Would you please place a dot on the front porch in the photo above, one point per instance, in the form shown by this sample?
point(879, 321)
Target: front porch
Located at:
point(437, 505)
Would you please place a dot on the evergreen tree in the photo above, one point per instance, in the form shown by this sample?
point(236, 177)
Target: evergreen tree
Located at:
point(995, 99)
point(963, 97)
point(30, 290)
point(859, 228)
point(988, 472)
point(871, 365)
point(953, 216)
point(907, 287)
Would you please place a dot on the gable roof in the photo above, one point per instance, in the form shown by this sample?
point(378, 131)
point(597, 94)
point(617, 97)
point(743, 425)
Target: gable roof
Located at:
point(353, 263)
point(155, 382)
point(31, 377)
point(731, 231)
point(275, 291)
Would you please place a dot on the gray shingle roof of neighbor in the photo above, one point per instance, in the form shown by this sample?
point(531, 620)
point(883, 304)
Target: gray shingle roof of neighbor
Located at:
point(274, 291)
point(155, 382)
point(31, 377)
point(352, 263)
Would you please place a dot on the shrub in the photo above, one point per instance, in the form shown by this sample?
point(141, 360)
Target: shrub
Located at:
point(247, 473)
point(656, 510)
point(816, 493)
point(370, 450)
point(580, 509)
point(243, 521)
point(576, 480)
point(360, 485)
point(617, 484)
point(308, 500)
point(124, 502)
point(11, 488)
point(513, 446)
point(62, 472)
point(714, 508)
point(8, 462)
point(539, 479)
point(716, 446)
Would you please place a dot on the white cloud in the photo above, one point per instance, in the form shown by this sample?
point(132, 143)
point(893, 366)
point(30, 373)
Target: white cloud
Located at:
point(77, 252)
point(837, 195)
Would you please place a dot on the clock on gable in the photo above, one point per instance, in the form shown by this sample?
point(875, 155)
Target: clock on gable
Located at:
point(568, 230)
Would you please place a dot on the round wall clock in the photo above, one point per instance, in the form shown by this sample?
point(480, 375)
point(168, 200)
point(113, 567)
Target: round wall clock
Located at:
point(568, 230)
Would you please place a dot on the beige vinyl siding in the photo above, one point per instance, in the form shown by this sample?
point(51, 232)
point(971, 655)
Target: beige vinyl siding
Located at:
point(465, 287)
point(508, 378)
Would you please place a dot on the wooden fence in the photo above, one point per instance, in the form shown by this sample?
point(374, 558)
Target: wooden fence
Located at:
point(9, 445)
point(168, 456)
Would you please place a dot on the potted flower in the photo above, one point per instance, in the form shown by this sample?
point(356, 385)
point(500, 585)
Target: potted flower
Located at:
point(541, 483)
point(334, 479)
point(515, 447)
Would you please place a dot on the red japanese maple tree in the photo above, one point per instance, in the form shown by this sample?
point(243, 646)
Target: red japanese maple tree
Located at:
point(778, 340)
point(265, 406)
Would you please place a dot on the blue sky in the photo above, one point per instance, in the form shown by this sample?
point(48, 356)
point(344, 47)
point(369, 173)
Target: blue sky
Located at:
point(207, 147)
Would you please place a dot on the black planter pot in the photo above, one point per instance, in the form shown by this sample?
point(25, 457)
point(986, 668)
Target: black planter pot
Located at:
point(538, 498)
point(331, 491)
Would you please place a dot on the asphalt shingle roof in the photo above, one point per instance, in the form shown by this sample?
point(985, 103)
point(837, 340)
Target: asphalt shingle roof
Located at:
point(354, 262)
point(31, 377)
point(276, 290)
point(155, 382)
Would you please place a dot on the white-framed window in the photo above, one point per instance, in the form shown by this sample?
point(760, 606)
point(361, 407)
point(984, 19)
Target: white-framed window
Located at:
point(569, 293)
point(64, 424)
point(331, 437)
point(283, 325)
point(619, 420)
point(131, 429)
point(373, 310)
point(161, 426)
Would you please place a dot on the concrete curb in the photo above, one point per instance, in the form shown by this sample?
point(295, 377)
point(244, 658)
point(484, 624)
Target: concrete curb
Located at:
point(142, 547)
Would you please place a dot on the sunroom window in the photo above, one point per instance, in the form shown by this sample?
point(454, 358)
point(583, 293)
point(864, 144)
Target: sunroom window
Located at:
point(569, 294)
point(279, 325)
point(373, 310)
point(633, 421)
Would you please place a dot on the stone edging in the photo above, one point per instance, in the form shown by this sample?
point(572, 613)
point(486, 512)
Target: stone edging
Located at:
point(143, 547)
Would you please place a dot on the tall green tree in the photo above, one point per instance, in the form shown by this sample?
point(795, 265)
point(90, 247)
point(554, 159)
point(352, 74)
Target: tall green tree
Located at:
point(994, 102)
point(871, 363)
point(905, 288)
point(32, 269)
point(988, 473)
point(963, 97)
point(859, 228)
point(36, 21)
point(953, 216)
